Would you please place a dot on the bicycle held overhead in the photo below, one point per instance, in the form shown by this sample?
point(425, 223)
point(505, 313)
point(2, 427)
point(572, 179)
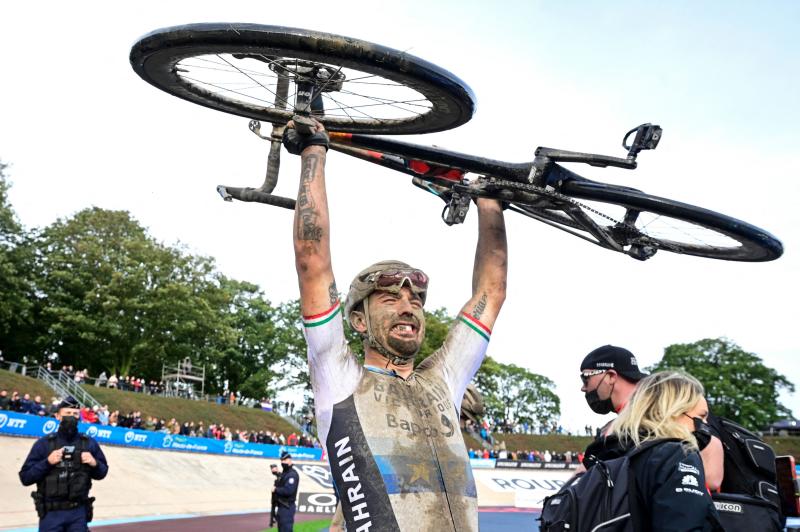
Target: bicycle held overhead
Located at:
point(359, 90)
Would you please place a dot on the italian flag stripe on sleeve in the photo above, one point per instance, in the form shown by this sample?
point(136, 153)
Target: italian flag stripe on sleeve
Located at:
point(476, 326)
point(324, 317)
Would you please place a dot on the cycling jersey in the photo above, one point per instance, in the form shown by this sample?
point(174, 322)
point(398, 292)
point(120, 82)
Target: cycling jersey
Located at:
point(394, 445)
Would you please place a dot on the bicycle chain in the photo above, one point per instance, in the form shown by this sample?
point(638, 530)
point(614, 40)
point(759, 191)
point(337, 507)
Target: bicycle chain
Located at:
point(504, 183)
point(553, 194)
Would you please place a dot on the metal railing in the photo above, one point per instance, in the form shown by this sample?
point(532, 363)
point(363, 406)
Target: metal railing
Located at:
point(77, 391)
point(64, 386)
point(43, 375)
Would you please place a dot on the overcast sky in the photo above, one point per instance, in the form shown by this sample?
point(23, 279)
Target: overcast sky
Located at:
point(80, 129)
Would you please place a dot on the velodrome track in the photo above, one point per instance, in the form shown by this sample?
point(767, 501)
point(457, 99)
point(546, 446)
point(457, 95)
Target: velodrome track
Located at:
point(168, 490)
point(491, 520)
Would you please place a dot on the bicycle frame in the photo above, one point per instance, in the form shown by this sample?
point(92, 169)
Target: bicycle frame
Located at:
point(438, 165)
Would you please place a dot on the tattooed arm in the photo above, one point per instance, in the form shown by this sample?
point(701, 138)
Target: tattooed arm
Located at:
point(465, 347)
point(491, 264)
point(312, 249)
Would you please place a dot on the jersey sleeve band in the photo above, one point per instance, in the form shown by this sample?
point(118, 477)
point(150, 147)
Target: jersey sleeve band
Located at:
point(322, 318)
point(484, 331)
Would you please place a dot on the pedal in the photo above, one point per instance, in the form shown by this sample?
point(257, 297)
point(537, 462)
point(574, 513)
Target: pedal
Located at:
point(455, 212)
point(222, 190)
point(647, 137)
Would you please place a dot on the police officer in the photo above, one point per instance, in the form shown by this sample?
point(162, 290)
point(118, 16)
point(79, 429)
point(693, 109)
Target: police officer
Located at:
point(62, 465)
point(286, 491)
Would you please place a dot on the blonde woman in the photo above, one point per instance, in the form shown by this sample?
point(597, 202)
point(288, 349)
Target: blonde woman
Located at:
point(671, 493)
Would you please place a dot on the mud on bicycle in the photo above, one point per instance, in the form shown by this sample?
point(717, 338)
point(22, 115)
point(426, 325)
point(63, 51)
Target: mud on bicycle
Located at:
point(361, 91)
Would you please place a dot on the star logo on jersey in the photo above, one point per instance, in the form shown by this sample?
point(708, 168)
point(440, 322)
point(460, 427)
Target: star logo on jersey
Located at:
point(689, 480)
point(419, 472)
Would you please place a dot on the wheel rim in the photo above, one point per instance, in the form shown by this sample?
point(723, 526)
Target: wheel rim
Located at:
point(644, 220)
point(235, 68)
point(250, 82)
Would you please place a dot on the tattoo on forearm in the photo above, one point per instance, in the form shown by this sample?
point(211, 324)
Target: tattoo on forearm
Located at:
point(480, 306)
point(333, 293)
point(307, 215)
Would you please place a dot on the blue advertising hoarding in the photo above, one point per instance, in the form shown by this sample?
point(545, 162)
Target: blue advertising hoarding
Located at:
point(16, 424)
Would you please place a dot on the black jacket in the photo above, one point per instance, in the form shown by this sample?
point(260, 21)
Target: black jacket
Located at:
point(36, 465)
point(286, 487)
point(671, 490)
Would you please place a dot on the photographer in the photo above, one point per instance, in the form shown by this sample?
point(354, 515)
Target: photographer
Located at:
point(273, 505)
point(62, 465)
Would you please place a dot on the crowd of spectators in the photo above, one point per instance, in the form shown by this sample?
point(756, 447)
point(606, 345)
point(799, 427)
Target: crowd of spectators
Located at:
point(102, 415)
point(547, 456)
point(488, 426)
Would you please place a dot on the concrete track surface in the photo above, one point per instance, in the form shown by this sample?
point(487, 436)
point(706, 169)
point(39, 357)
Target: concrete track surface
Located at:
point(147, 484)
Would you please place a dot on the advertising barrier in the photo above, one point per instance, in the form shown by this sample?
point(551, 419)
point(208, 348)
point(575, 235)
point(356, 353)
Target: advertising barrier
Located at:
point(482, 463)
point(16, 424)
point(516, 464)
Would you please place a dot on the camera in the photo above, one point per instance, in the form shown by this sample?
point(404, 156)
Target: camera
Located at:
point(69, 453)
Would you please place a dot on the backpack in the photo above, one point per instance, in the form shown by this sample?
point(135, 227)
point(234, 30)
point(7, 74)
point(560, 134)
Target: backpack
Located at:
point(599, 499)
point(749, 462)
point(748, 498)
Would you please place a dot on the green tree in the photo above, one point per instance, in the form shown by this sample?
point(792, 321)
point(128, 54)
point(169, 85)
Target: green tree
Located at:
point(111, 298)
point(738, 384)
point(517, 395)
point(16, 290)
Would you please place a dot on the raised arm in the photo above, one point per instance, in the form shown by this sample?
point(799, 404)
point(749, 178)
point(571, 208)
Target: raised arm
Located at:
point(491, 264)
point(312, 249)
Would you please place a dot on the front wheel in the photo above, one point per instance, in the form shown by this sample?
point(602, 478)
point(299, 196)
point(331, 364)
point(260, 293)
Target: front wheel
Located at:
point(639, 224)
point(263, 73)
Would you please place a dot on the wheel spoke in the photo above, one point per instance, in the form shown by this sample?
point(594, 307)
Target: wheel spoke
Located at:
point(353, 102)
point(344, 109)
point(228, 90)
point(248, 76)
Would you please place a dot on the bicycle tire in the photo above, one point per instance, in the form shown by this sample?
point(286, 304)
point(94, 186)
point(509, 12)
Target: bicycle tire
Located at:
point(157, 58)
point(742, 241)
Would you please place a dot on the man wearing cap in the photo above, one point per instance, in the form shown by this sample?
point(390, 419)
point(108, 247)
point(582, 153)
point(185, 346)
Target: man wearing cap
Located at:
point(285, 491)
point(391, 430)
point(62, 465)
point(609, 375)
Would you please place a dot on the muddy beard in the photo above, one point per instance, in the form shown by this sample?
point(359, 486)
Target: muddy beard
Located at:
point(406, 349)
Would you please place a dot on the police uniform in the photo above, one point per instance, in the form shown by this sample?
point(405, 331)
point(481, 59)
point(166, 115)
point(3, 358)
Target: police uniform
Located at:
point(286, 492)
point(62, 490)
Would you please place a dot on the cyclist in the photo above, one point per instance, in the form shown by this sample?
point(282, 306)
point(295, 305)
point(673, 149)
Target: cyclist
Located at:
point(391, 430)
point(610, 375)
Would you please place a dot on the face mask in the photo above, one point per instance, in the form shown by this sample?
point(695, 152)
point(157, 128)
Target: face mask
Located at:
point(68, 427)
point(701, 432)
point(599, 406)
point(286, 466)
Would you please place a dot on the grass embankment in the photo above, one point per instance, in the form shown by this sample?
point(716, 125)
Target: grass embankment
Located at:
point(235, 417)
point(551, 442)
point(560, 443)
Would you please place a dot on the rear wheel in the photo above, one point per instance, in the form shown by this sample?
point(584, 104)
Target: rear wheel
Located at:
point(363, 87)
point(640, 224)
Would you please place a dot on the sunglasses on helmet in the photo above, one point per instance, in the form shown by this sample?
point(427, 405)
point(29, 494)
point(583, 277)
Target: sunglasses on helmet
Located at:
point(392, 280)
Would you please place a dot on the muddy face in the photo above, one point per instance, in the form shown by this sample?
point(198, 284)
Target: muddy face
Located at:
point(397, 321)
